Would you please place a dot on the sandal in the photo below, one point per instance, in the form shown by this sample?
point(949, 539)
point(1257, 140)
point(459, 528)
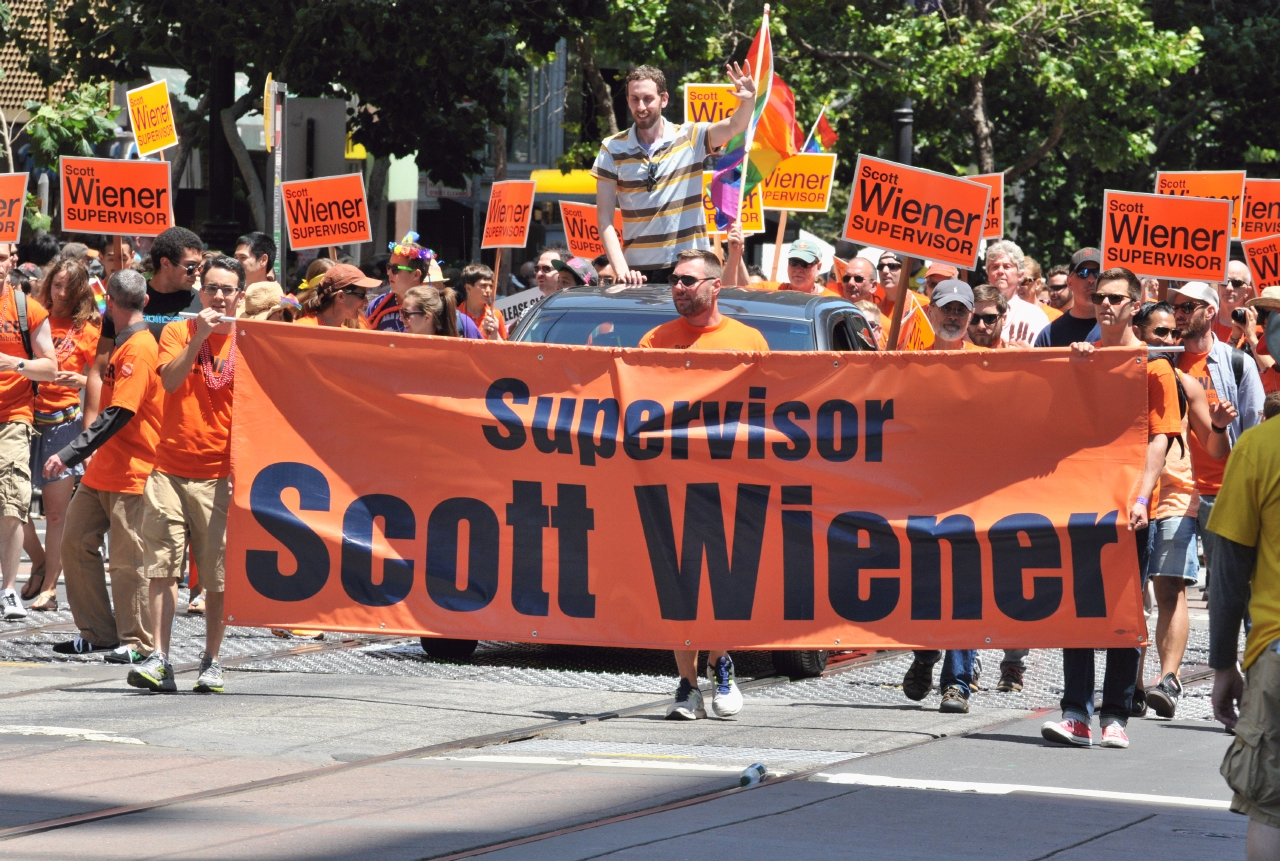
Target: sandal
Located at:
point(35, 583)
point(45, 602)
point(196, 606)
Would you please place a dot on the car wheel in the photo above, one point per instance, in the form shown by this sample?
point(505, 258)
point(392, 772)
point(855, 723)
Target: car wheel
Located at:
point(444, 649)
point(799, 663)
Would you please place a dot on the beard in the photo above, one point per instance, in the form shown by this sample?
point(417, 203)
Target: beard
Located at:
point(951, 331)
point(649, 122)
point(693, 305)
point(986, 339)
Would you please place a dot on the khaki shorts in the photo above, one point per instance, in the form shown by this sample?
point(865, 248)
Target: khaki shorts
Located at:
point(15, 469)
point(182, 509)
point(1252, 763)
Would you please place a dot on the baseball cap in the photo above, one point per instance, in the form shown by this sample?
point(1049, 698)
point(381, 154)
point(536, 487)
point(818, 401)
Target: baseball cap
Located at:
point(1270, 299)
point(1197, 290)
point(344, 275)
point(802, 249)
point(953, 290)
point(1087, 255)
point(580, 268)
point(941, 269)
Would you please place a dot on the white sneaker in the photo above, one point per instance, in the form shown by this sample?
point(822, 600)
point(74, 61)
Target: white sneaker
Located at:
point(688, 704)
point(726, 699)
point(12, 605)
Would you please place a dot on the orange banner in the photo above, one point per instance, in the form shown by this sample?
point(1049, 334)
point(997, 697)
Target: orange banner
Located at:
point(151, 118)
point(1263, 257)
point(116, 197)
point(13, 198)
point(801, 183)
point(331, 210)
point(1260, 214)
point(916, 212)
point(668, 499)
point(993, 224)
point(1160, 236)
point(708, 103)
point(581, 231)
point(506, 222)
point(1219, 184)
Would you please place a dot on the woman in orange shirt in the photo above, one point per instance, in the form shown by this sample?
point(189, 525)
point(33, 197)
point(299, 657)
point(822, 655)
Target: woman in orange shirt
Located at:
point(339, 299)
point(74, 324)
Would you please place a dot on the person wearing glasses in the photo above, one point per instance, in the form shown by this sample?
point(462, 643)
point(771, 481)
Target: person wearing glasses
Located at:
point(340, 300)
point(1171, 545)
point(859, 286)
point(803, 261)
point(411, 265)
point(889, 269)
point(188, 493)
point(1079, 319)
point(987, 325)
point(1059, 296)
point(1228, 326)
point(1116, 296)
point(1005, 266)
point(653, 171)
point(695, 289)
point(430, 311)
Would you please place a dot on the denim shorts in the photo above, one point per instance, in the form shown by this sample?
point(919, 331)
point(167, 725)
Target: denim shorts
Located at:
point(1172, 549)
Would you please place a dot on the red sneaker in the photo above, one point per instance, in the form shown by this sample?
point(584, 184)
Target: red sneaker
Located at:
point(1113, 735)
point(1068, 731)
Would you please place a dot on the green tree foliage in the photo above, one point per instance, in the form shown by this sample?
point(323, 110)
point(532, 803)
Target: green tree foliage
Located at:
point(73, 125)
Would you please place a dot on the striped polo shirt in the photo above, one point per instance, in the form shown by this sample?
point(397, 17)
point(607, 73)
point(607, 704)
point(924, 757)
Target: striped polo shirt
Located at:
point(659, 224)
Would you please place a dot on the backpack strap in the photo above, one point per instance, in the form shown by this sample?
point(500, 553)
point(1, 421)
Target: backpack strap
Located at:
point(24, 329)
point(1237, 366)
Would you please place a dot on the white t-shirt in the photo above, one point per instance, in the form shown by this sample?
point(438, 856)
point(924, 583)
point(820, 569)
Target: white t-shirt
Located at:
point(1022, 311)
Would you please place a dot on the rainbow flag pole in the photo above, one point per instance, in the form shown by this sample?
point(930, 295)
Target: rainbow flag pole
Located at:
point(762, 100)
point(814, 129)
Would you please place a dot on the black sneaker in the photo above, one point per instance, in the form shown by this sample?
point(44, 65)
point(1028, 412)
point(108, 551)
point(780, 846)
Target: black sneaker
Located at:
point(954, 702)
point(1010, 677)
point(1139, 707)
point(124, 655)
point(79, 646)
point(1164, 696)
point(918, 680)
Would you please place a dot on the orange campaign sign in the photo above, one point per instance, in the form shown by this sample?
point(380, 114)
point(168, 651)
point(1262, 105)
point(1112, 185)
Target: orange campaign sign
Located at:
point(993, 224)
point(506, 223)
point(1222, 184)
point(665, 499)
point(581, 231)
point(1263, 257)
point(1162, 236)
point(801, 183)
point(708, 103)
point(116, 197)
point(752, 211)
point(13, 199)
point(1260, 215)
point(152, 118)
point(918, 213)
point(331, 210)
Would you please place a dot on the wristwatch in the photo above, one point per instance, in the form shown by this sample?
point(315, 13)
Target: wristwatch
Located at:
point(22, 365)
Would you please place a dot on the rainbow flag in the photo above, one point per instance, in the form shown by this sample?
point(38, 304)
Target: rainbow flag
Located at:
point(823, 138)
point(770, 136)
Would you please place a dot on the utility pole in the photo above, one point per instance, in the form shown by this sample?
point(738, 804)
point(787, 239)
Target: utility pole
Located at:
point(903, 118)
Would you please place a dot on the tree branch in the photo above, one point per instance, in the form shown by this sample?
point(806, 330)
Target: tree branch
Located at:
point(846, 56)
point(1033, 158)
point(253, 184)
point(599, 87)
point(187, 138)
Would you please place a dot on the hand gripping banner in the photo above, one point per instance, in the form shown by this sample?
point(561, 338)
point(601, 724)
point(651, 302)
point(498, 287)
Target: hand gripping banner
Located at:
point(528, 492)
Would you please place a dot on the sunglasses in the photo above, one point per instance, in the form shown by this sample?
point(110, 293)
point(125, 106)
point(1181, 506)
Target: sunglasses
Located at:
point(404, 313)
point(651, 178)
point(1054, 288)
point(356, 292)
point(189, 268)
point(1087, 272)
point(1165, 331)
point(546, 270)
point(892, 267)
point(1188, 307)
point(857, 279)
point(607, 281)
point(984, 319)
point(686, 280)
point(1111, 299)
point(399, 268)
point(798, 263)
point(1237, 284)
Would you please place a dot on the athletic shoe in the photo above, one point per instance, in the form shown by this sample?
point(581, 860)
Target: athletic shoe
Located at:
point(688, 704)
point(1164, 696)
point(1068, 731)
point(1138, 708)
point(918, 680)
point(1113, 736)
point(155, 674)
point(954, 702)
point(210, 681)
point(79, 646)
point(12, 604)
point(726, 699)
point(124, 655)
point(1010, 677)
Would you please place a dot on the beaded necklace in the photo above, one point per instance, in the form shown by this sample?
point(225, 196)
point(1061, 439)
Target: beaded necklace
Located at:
point(224, 378)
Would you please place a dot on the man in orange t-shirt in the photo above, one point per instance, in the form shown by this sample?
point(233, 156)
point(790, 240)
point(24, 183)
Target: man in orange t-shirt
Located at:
point(122, 440)
point(188, 494)
point(695, 288)
point(1117, 293)
point(18, 368)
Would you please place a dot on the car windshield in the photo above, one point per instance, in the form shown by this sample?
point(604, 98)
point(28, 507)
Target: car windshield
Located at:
point(600, 327)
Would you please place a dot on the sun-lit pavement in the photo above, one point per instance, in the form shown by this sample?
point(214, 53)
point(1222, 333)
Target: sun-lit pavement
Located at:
point(562, 752)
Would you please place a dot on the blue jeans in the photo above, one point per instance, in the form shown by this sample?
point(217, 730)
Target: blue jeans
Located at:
point(957, 668)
